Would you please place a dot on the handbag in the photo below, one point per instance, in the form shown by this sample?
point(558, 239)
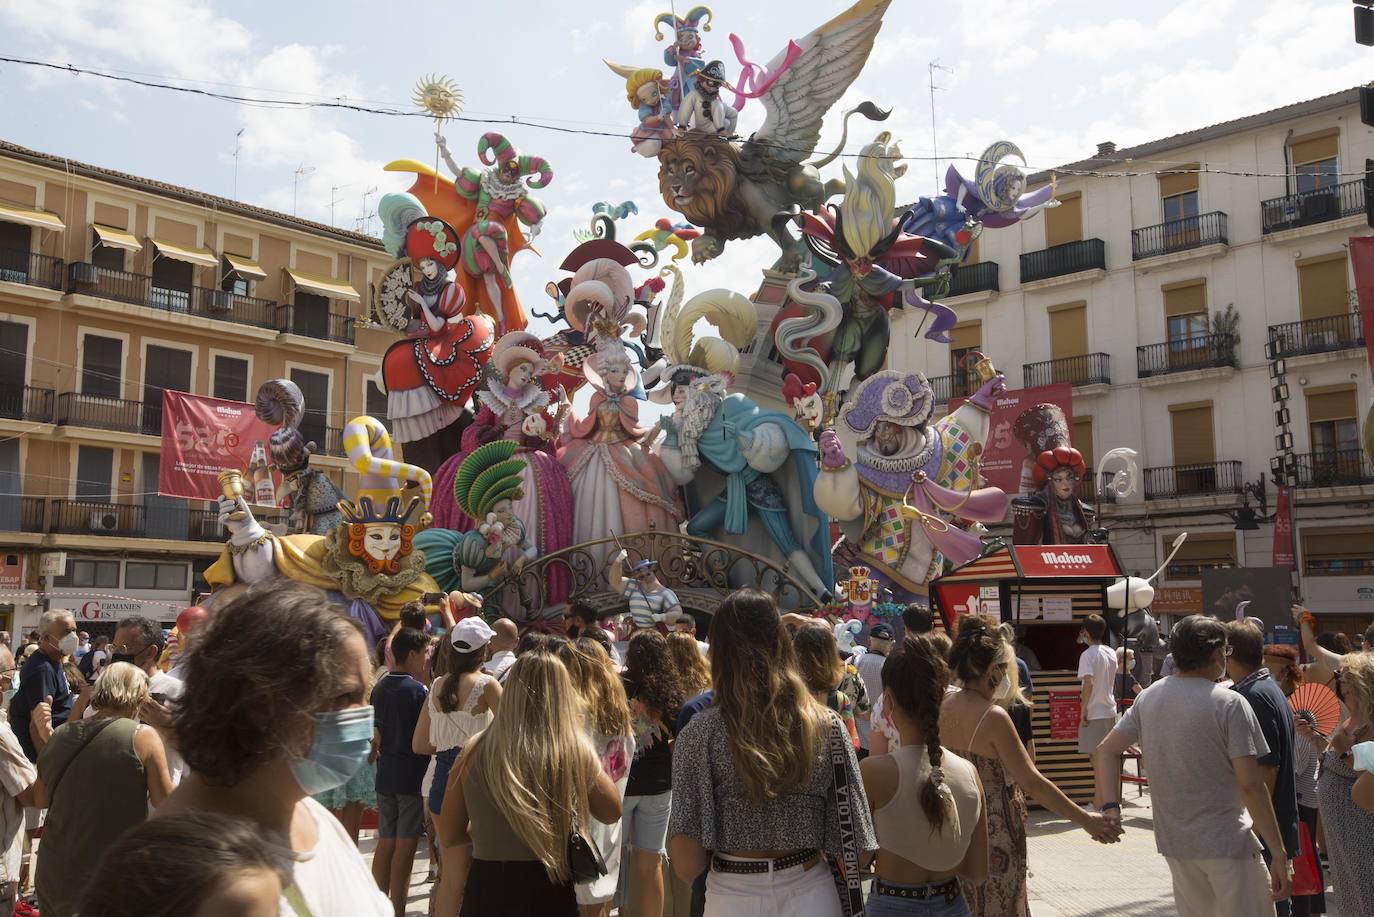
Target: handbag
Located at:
point(1307, 875)
point(584, 859)
point(845, 872)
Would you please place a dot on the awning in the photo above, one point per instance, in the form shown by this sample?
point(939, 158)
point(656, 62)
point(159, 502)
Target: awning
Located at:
point(116, 238)
point(325, 286)
point(187, 253)
point(13, 213)
point(245, 267)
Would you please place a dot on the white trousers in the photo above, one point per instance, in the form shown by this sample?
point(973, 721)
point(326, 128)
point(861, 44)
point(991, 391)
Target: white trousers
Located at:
point(1222, 887)
point(794, 892)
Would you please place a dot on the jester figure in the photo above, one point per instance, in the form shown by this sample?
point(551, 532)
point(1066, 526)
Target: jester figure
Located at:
point(909, 482)
point(368, 564)
point(683, 56)
point(500, 192)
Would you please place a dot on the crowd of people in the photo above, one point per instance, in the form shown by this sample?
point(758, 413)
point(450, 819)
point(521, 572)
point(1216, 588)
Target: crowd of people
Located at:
point(781, 771)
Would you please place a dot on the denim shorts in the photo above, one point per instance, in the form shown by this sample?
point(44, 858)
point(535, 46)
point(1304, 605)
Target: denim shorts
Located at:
point(645, 822)
point(400, 816)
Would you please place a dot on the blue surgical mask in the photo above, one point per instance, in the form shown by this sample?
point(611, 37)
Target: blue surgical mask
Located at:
point(343, 739)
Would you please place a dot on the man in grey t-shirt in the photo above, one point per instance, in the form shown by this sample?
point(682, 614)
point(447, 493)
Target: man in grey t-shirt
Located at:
point(1200, 743)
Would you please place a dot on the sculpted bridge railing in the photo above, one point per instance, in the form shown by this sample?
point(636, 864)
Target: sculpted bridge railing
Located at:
point(700, 570)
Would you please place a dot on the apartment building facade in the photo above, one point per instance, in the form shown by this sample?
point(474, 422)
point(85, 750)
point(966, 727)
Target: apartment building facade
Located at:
point(114, 288)
point(1175, 285)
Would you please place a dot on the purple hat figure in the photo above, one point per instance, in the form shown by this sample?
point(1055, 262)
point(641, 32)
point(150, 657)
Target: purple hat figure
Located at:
point(905, 399)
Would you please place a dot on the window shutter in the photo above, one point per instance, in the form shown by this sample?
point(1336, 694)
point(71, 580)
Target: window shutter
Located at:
point(1216, 549)
point(102, 366)
point(1179, 182)
point(1068, 331)
point(966, 335)
point(1192, 429)
point(1065, 222)
point(1348, 551)
point(1083, 438)
point(1322, 288)
point(1313, 149)
point(1331, 405)
point(1185, 299)
point(974, 252)
point(231, 378)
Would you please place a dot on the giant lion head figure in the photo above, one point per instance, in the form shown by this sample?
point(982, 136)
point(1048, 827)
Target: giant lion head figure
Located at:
point(696, 176)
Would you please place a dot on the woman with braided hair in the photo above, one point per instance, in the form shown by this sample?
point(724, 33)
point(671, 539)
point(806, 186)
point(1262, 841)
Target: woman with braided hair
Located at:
point(975, 727)
point(927, 802)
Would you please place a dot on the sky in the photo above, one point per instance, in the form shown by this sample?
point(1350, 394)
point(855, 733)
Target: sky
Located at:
point(1055, 76)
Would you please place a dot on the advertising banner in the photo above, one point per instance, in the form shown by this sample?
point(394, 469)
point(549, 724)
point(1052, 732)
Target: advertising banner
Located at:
point(202, 437)
point(1064, 716)
point(1179, 601)
point(1236, 593)
point(1066, 560)
point(1006, 452)
point(1362, 260)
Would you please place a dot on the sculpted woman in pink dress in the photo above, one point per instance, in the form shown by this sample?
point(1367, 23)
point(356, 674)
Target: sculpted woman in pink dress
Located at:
point(618, 485)
point(515, 406)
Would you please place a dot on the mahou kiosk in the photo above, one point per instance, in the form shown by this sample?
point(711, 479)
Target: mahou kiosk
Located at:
point(1046, 591)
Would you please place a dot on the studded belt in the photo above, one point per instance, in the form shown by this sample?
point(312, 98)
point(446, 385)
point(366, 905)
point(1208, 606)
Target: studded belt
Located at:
point(949, 890)
point(754, 867)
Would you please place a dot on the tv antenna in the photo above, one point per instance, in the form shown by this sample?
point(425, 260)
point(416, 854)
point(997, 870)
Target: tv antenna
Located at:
point(302, 169)
point(934, 146)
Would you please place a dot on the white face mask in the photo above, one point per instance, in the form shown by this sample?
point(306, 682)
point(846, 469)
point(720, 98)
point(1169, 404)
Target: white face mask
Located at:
point(69, 644)
point(1003, 688)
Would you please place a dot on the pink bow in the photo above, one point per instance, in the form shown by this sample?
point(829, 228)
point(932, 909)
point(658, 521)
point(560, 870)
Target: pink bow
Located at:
point(753, 80)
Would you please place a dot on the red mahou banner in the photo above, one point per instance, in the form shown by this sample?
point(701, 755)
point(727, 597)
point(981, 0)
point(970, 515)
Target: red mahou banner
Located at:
point(1005, 454)
point(202, 437)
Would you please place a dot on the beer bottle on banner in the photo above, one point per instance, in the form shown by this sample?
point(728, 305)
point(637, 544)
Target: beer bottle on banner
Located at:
point(260, 473)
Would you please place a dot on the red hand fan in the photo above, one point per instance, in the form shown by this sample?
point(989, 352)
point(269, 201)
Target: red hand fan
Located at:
point(1318, 705)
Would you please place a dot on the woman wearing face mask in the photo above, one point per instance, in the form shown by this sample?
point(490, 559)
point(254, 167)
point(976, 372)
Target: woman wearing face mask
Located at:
point(99, 776)
point(274, 711)
point(973, 726)
point(1349, 828)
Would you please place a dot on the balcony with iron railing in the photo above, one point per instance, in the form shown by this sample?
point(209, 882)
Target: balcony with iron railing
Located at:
point(1091, 483)
point(1193, 480)
point(1319, 335)
point(308, 322)
point(1306, 208)
point(31, 268)
point(333, 442)
point(1087, 369)
point(1059, 260)
point(139, 289)
point(108, 283)
point(97, 517)
point(1179, 235)
point(958, 385)
point(1196, 351)
point(1335, 468)
point(104, 413)
point(974, 278)
point(27, 403)
point(22, 514)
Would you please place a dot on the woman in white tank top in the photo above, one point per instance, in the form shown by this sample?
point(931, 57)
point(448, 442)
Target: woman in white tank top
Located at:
point(927, 802)
point(460, 705)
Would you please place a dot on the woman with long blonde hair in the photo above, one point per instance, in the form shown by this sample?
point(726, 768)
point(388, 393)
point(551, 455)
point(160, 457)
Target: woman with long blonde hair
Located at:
point(606, 715)
point(691, 665)
point(521, 788)
point(753, 778)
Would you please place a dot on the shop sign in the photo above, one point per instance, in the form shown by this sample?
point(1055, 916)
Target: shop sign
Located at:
point(1066, 560)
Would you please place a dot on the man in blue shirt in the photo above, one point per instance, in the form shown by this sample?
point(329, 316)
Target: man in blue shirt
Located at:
point(397, 700)
point(42, 680)
point(1252, 681)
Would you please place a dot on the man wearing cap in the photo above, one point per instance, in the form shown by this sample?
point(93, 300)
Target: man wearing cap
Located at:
point(870, 666)
point(650, 601)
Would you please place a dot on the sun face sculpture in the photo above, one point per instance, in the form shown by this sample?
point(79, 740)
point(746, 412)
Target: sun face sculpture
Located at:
point(439, 96)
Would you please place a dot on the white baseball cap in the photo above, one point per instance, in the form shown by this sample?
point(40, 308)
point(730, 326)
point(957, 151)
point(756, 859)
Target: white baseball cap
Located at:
point(470, 634)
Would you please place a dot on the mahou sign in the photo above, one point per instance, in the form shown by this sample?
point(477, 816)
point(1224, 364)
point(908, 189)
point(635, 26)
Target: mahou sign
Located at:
point(1066, 560)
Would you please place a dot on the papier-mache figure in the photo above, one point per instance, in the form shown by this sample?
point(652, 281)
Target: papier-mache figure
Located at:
point(651, 602)
point(487, 487)
point(1049, 510)
point(369, 563)
point(808, 408)
point(432, 373)
point(618, 484)
point(909, 481)
point(744, 462)
point(702, 107)
point(647, 93)
point(312, 499)
point(683, 56)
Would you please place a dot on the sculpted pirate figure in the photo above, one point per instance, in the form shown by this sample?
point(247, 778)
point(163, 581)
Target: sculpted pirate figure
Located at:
point(368, 564)
point(312, 499)
point(703, 109)
point(909, 481)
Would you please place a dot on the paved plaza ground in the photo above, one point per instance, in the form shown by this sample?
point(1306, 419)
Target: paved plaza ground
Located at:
point(1070, 874)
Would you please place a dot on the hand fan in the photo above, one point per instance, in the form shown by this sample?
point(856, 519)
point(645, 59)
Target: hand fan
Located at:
point(1316, 704)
